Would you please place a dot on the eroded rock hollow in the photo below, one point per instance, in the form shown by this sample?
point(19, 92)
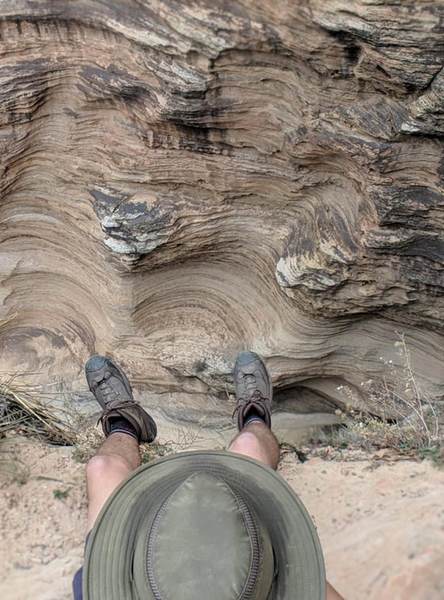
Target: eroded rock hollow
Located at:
point(182, 180)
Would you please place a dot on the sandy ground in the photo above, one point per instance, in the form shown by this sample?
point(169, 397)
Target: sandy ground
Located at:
point(381, 524)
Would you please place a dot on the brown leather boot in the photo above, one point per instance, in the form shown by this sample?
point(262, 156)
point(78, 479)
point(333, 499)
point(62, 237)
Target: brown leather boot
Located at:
point(254, 389)
point(112, 390)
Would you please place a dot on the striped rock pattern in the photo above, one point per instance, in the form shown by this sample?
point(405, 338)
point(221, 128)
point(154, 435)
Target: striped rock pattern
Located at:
point(182, 180)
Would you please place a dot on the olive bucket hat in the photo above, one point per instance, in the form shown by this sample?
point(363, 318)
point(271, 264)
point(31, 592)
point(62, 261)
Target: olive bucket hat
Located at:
point(204, 526)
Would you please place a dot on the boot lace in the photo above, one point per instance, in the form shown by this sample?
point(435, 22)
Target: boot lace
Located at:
point(256, 399)
point(109, 394)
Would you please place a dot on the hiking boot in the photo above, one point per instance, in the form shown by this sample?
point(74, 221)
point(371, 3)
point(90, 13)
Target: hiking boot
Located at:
point(112, 390)
point(253, 388)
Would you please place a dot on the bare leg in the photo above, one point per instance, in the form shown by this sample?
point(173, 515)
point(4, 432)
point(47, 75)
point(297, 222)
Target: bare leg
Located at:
point(257, 441)
point(332, 594)
point(116, 458)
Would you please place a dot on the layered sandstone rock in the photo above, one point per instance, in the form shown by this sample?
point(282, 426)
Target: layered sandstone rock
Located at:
point(182, 180)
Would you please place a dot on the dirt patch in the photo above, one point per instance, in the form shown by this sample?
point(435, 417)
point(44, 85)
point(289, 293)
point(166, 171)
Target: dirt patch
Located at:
point(381, 524)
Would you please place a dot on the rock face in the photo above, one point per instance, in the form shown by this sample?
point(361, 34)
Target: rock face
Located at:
point(182, 180)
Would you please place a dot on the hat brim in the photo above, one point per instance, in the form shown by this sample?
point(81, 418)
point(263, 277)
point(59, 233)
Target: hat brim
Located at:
point(122, 525)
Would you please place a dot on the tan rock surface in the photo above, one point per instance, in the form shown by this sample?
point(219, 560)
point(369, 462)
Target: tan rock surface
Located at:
point(381, 525)
point(183, 180)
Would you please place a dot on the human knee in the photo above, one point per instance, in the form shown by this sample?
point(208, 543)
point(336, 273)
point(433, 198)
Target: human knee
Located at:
point(102, 464)
point(246, 443)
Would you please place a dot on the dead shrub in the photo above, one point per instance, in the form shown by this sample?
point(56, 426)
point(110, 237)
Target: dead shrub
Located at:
point(404, 418)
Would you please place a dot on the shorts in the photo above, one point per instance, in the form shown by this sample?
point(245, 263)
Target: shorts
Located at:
point(77, 581)
point(77, 585)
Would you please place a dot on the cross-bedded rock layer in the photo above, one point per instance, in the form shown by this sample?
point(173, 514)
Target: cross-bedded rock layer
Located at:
point(182, 180)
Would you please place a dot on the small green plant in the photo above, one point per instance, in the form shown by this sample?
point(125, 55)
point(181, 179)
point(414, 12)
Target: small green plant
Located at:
point(435, 454)
point(60, 494)
point(150, 452)
point(87, 442)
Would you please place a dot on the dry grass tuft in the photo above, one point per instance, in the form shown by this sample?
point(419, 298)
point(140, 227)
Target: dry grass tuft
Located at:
point(405, 419)
point(25, 410)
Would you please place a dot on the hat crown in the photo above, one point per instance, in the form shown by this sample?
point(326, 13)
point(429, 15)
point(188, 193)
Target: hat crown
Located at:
point(120, 561)
point(203, 542)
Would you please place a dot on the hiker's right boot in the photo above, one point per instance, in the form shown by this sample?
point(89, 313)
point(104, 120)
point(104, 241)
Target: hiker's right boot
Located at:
point(253, 388)
point(112, 390)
